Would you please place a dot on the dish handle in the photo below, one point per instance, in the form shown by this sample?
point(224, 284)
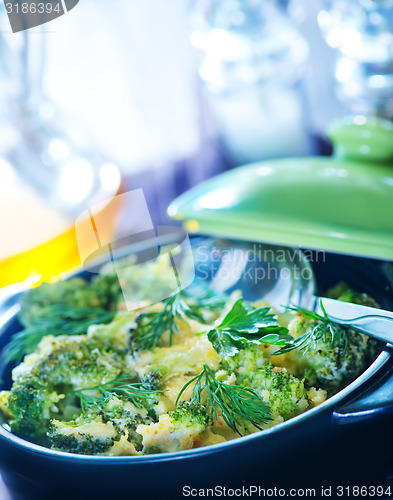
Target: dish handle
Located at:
point(371, 405)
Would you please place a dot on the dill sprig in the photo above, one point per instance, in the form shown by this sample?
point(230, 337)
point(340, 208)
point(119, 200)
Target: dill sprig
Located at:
point(152, 325)
point(135, 392)
point(323, 329)
point(204, 298)
point(237, 404)
point(59, 319)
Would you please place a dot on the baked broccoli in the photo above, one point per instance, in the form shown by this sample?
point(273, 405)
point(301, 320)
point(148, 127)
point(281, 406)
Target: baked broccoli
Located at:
point(30, 406)
point(285, 394)
point(327, 364)
point(125, 418)
point(102, 292)
point(52, 381)
point(45, 377)
point(111, 430)
point(70, 361)
point(342, 292)
point(116, 335)
point(85, 435)
point(181, 429)
point(152, 380)
point(92, 386)
point(63, 308)
point(189, 415)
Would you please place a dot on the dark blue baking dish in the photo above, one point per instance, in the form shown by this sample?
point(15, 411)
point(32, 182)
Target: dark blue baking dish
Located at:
point(346, 440)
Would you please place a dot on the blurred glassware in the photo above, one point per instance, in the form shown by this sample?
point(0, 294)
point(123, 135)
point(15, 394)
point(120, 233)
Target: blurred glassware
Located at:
point(47, 176)
point(362, 32)
point(63, 168)
point(253, 62)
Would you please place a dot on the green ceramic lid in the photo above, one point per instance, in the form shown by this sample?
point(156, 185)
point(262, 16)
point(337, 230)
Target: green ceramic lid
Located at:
point(342, 204)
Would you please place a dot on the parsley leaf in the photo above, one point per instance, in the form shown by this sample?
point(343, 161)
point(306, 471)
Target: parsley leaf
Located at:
point(245, 324)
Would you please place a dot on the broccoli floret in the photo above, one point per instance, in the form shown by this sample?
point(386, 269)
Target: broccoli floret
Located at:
point(85, 435)
point(152, 380)
point(75, 361)
point(189, 415)
point(244, 364)
point(44, 381)
point(181, 429)
point(65, 363)
point(102, 292)
point(30, 406)
point(114, 336)
point(284, 393)
point(64, 308)
point(343, 292)
point(107, 289)
point(125, 418)
point(326, 365)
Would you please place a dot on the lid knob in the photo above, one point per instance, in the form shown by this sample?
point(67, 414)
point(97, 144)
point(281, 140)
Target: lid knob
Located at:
point(362, 138)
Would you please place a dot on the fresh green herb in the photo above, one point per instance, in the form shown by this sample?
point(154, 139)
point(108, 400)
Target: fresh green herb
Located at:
point(324, 329)
point(153, 325)
point(245, 324)
point(59, 319)
point(204, 298)
point(237, 404)
point(102, 292)
point(135, 392)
